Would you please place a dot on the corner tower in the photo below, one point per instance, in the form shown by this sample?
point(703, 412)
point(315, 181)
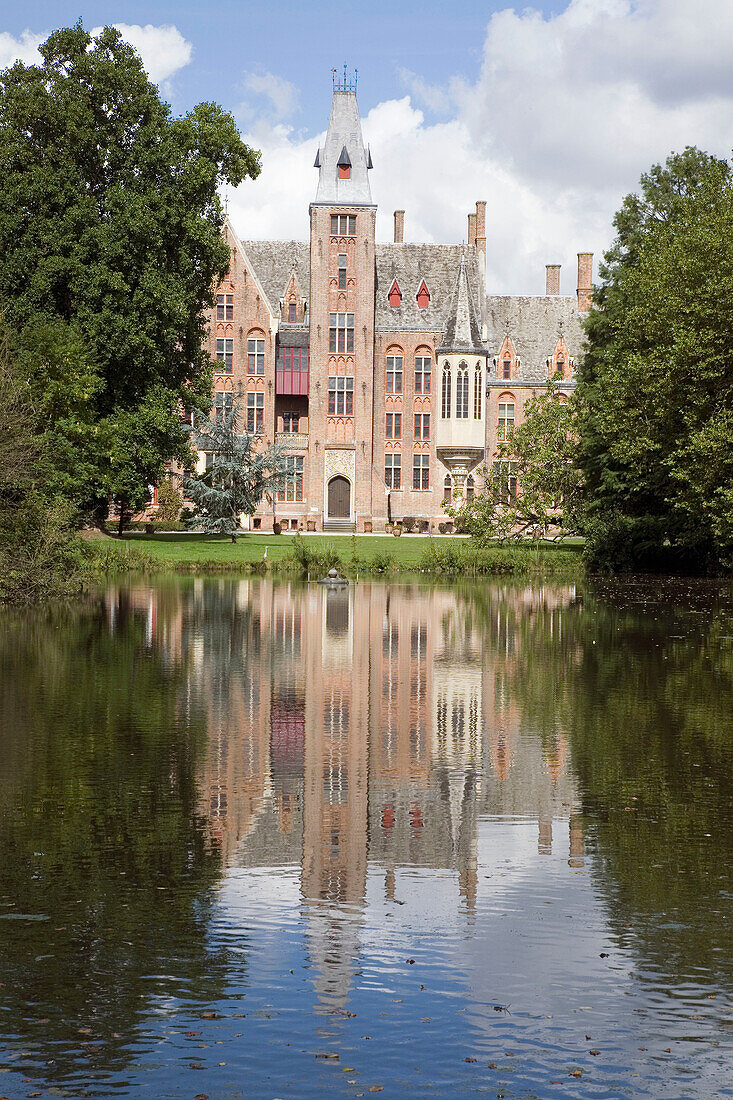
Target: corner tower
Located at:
point(341, 398)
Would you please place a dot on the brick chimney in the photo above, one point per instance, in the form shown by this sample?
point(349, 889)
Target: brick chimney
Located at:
point(552, 279)
point(481, 229)
point(399, 226)
point(585, 281)
point(471, 230)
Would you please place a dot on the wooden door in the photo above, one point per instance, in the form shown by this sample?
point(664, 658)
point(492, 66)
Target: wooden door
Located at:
point(339, 498)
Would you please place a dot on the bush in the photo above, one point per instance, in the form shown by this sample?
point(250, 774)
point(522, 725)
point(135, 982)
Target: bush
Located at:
point(461, 559)
point(409, 523)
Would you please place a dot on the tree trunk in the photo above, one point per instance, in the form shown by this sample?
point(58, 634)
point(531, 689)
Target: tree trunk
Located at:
point(234, 538)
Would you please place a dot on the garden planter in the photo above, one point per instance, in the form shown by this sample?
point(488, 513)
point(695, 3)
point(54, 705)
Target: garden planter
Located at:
point(310, 525)
point(367, 527)
point(397, 531)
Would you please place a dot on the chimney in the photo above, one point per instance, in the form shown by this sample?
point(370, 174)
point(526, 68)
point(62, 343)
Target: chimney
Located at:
point(585, 281)
point(481, 229)
point(399, 226)
point(471, 230)
point(552, 279)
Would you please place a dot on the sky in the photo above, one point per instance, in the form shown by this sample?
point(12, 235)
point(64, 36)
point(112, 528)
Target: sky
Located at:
point(550, 113)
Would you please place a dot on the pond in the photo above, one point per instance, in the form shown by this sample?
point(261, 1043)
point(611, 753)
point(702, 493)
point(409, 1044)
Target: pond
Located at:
point(267, 840)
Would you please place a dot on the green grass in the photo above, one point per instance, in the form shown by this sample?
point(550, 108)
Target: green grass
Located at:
point(314, 554)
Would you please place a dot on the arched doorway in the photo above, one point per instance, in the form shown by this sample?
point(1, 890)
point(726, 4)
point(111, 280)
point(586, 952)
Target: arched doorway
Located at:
point(339, 498)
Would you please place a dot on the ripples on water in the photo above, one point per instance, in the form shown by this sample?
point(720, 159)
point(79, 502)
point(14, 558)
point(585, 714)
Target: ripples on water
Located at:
point(266, 841)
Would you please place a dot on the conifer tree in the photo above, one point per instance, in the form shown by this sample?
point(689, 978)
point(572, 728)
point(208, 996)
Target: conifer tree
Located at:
point(237, 478)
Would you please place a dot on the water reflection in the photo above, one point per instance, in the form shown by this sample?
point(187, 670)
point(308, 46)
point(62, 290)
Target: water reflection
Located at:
point(210, 786)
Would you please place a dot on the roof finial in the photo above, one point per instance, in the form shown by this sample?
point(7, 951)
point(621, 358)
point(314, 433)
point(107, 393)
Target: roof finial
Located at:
point(344, 84)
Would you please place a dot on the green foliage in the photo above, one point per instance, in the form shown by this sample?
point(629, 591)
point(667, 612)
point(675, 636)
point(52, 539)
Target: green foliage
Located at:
point(540, 455)
point(240, 475)
point(170, 500)
point(110, 224)
point(461, 558)
point(655, 397)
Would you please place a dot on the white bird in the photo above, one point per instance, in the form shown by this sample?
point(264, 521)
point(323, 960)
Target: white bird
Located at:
point(265, 554)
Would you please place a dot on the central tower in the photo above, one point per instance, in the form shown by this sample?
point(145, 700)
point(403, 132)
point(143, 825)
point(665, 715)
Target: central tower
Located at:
point(342, 274)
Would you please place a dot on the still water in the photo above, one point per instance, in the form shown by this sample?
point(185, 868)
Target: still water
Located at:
point(261, 840)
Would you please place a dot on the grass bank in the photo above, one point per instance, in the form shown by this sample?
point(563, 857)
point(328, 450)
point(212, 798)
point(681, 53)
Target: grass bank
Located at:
point(314, 555)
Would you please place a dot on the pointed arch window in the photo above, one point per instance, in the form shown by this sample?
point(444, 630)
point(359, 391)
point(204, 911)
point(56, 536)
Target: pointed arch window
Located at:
point(445, 402)
point(395, 295)
point(423, 296)
point(462, 392)
point(477, 392)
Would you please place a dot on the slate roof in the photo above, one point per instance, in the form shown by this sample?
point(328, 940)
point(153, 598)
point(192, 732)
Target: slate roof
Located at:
point(344, 144)
point(274, 263)
point(438, 265)
point(534, 324)
point(462, 328)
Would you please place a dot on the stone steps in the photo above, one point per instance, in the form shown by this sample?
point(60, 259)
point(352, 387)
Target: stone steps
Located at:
point(338, 527)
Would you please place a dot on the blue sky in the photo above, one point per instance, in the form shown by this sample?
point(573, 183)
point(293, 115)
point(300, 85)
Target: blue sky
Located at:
point(298, 41)
point(549, 113)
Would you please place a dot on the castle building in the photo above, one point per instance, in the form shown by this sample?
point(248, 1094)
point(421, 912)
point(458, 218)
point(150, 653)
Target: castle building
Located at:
point(385, 369)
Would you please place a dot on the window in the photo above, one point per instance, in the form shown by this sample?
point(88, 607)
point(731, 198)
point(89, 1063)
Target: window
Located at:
point(223, 403)
point(225, 307)
point(225, 354)
point(343, 224)
point(295, 359)
point(445, 408)
point(505, 480)
point(507, 368)
point(462, 392)
point(422, 425)
point(394, 374)
point(292, 311)
point(291, 487)
point(470, 488)
point(341, 396)
point(255, 413)
point(393, 471)
point(421, 471)
point(290, 422)
point(477, 393)
point(505, 424)
point(341, 332)
point(342, 270)
point(423, 296)
point(255, 356)
point(210, 459)
point(447, 488)
point(344, 171)
point(395, 295)
point(393, 426)
point(423, 366)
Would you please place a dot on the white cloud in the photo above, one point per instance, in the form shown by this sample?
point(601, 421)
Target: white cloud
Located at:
point(281, 95)
point(163, 49)
point(565, 114)
point(23, 49)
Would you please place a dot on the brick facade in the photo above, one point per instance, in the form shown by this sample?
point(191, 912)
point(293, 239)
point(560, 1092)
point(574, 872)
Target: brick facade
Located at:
point(306, 332)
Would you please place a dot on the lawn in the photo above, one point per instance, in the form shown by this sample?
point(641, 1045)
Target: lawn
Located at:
point(191, 549)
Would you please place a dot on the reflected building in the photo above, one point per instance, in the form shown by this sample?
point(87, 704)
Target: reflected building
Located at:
point(359, 730)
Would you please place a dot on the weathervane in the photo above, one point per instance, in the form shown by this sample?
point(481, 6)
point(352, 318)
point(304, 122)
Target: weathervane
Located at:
point(344, 84)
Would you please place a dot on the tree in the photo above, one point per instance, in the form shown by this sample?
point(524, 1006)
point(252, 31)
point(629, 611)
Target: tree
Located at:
point(656, 384)
point(110, 224)
point(170, 500)
point(533, 486)
point(238, 477)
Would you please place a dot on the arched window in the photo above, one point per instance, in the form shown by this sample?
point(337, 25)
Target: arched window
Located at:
point(423, 296)
point(477, 392)
point(462, 392)
point(505, 422)
point(256, 352)
point(395, 295)
point(445, 406)
point(470, 488)
point(394, 372)
point(423, 366)
point(447, 489)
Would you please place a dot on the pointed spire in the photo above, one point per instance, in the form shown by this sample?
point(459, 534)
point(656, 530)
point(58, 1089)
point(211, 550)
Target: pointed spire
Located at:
point(462, 329)
point(343, 148)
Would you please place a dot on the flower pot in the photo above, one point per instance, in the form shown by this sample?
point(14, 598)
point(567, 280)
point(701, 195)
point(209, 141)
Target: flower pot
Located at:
point(310, 525)
point(388, 528)
point(367, 527)
point(397, 531)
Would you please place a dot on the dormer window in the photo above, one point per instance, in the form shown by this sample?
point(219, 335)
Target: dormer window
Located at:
point(344, 165)
point(423, 296)
point(395, 295)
